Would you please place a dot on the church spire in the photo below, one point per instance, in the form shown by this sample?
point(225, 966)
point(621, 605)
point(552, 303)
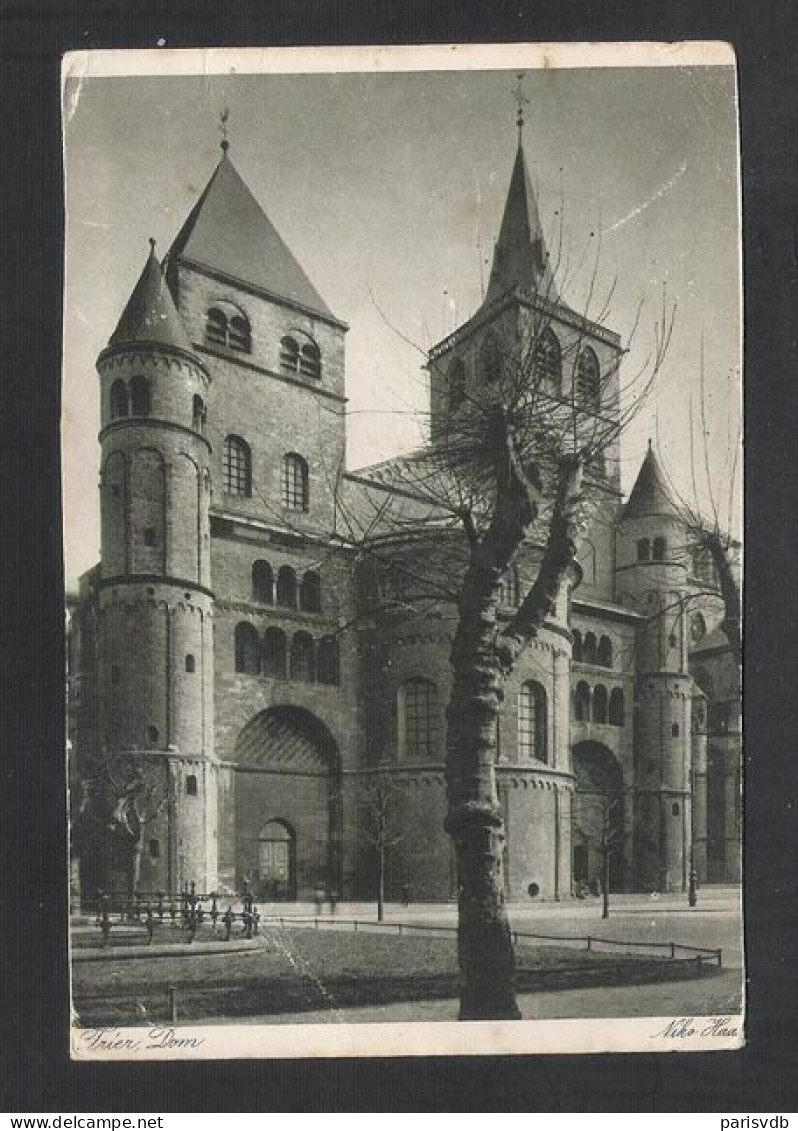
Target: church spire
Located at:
point(150, 314)
point(520, 258)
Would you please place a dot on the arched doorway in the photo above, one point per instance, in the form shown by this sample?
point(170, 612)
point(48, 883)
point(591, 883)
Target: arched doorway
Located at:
point(598, 831)
point(277, 861)
point(287, 805)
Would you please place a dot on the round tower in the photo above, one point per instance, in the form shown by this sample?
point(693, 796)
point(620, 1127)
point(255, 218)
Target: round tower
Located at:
point(156, 652)
point(651, 564)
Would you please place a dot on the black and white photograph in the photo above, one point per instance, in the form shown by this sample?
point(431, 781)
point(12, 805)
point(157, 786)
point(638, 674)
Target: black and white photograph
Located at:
point(402, 446)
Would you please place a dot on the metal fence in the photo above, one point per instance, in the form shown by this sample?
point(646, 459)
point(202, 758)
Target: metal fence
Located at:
point(188, 910)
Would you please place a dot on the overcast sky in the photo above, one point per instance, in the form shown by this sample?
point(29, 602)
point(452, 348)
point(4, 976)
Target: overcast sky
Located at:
point(379, 184)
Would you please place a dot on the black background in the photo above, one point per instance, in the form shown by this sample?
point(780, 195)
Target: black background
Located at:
point(40, 1077)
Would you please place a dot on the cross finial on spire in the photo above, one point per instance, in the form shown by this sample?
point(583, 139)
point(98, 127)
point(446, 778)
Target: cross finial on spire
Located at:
point(225, 114)
point(521, 100)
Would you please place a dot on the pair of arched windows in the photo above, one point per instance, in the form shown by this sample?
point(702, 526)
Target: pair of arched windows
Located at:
point(131, 398)
point(295, 485)
point(304, 659)
point(509, 594)
point(589, 650)
point(597, 705)
point(648, 551)
point(299, 355)
point(532, 722)
point(228, 327)
point(286, 590)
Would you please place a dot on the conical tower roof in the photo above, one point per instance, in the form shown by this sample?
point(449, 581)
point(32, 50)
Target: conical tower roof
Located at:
point(520, 258)
point(150, 314)
point(228, 232)
point(650, 494)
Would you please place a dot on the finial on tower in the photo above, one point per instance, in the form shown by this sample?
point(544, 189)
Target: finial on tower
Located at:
point(152, 245)
point(521, 100)
point(225, 114)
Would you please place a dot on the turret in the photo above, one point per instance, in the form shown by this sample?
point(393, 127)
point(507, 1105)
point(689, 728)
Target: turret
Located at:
point(156, 654)
point(652, 578)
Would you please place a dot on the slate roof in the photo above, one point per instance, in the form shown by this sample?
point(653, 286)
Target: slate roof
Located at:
point(227, 231)
point(150, 314)
point(520, 258)
point(650, 495)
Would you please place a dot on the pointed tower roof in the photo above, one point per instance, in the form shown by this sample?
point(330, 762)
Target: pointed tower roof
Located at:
point(520, 258)
point(150, 314)
point(650, 494)
point(228, 232)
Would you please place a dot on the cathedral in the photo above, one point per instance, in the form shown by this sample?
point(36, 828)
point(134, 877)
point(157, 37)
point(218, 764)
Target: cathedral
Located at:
point(221, 643)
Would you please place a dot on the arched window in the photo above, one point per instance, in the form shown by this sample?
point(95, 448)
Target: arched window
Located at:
point(490, 359)
point(508, 589)
point(191, 664)
point(417, 707)
point(275, 651)
point(698, 627)
point(310, 592)
point(119, 405)
point(329, 667)
point(310, 361)
point(589, 650)
point(643, 550)
point(139, 396)
point(246, 648)
point(548, 362)
point(456, 378)
point(237, 467)
point(588, 386)
point(191, 785)
point(605, 652)
point(302, 665)
point(286, 587)
point(582, 702)
point(262, 583)
point(198, 413)
point(239, 335)
point(152, 735)
point(577, 646)
point(150, 537)
point(295, 482)
point(659, 550)
point(616, 713)
point(532, 721)
point(289, 354)
point(216, 327)
point(155, 848)
point(600, 703)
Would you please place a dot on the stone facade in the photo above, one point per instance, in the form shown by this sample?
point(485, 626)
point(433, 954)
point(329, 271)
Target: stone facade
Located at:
point(221, 641)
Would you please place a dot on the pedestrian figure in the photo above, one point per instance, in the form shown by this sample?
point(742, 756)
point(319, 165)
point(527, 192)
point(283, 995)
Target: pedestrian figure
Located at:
point(227, 919)
point(405, 893)
point(319, 898)
point(333, 897)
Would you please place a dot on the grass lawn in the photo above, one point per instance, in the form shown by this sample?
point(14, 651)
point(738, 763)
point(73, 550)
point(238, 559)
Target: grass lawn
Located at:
point(295, 970)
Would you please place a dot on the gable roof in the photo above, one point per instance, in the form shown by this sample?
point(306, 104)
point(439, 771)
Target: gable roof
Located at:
point(150, 314)
point(228, 232)
point(520, 258)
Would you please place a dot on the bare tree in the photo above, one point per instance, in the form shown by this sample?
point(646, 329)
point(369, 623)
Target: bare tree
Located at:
point(598, 822)
point(380, 798)
point(514, 463)
point(122, 799)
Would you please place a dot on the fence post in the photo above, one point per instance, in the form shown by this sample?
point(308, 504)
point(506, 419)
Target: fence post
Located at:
point(673, 950)
point(589, 942)
point(718, 953)
point(173, 1003)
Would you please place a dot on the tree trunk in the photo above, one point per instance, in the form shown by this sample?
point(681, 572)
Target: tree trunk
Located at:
point(380, 884)
point(135, 866)
point(474, 819)
point(605, 883)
